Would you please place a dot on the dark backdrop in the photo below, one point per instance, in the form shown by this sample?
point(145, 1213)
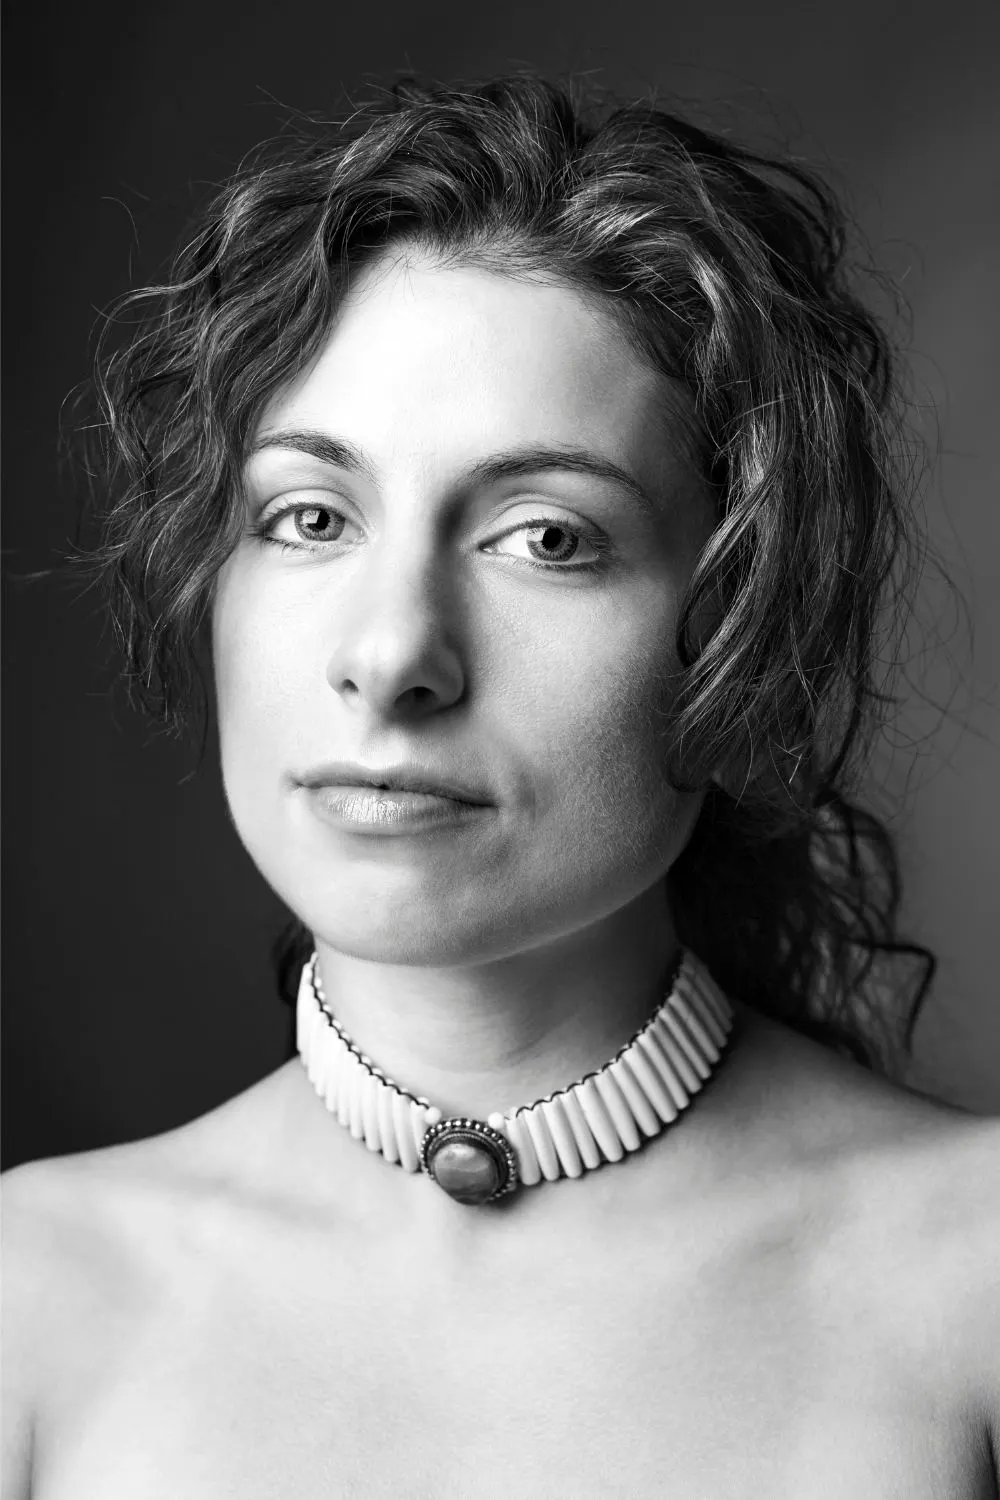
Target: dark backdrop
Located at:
point(136, 979)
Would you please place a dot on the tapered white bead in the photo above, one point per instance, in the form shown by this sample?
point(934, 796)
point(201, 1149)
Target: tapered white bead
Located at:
point(334, 1071)
point(618, 1110)
point(562, 1137)
point(345, 1091)
point(344, 1088)
point(648, 1080)
point(356, 1101)
point(541, 1139)
point(519, 1136)
point(586, 1142)
point(662, 1059)
point(323, 1060)
point(697, 1018)
point(314, 1041)
point(699, 1042)
point(386, 1125)
point(644, 1114)
point(306, 1006)
point(403, 1133)
point(369, 1112)
point(418, 1123)
point(715, 1006)
point(681, 1050)
point(685, 1044)
point(698, 1034)
point(422, 1117)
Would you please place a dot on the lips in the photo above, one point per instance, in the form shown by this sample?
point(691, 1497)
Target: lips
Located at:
point(408, 778)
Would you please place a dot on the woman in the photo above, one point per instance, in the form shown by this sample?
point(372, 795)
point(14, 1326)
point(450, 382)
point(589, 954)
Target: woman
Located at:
point(532, 475)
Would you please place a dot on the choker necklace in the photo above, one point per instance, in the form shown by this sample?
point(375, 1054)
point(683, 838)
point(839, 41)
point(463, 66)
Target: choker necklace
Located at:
point(607, 1113)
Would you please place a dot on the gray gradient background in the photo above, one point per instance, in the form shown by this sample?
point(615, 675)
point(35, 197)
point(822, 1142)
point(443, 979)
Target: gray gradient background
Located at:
point(137, 986)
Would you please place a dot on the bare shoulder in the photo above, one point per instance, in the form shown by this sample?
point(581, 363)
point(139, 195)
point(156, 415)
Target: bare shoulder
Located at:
point(96, 1216)
point(928, 1224)
point(941, 1241)
point(93, 1244)
point(904, 1191)
point(75, 1229)
point(905, 1168)
point(66, 1269)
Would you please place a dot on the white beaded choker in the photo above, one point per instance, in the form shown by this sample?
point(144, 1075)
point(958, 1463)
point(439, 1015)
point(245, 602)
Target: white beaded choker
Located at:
point(607, 1113)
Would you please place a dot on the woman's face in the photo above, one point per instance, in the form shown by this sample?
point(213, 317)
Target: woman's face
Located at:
point(453, 595)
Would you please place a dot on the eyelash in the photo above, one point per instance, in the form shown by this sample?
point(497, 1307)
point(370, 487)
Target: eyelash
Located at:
point(601, 544)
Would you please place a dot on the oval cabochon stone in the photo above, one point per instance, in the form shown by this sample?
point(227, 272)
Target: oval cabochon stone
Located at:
point(467, 1172)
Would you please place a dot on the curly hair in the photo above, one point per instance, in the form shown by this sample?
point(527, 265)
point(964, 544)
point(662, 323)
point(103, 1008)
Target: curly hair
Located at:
point(726, 270)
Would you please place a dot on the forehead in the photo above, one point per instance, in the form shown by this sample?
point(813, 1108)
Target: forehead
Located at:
point(424, 359)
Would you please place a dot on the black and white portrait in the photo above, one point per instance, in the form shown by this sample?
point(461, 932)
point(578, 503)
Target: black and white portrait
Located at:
point(501, 752)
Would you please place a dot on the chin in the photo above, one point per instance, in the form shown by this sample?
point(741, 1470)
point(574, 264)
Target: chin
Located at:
point(415, 940)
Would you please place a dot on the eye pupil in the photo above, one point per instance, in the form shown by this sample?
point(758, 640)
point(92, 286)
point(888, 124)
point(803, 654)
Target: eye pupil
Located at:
point(550, 542)
point(310, 526)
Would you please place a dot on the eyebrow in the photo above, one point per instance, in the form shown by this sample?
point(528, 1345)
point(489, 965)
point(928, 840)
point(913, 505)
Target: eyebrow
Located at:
point(510, 464)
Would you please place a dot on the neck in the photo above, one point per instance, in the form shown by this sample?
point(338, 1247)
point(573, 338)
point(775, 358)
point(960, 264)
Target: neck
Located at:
point(487, 1036)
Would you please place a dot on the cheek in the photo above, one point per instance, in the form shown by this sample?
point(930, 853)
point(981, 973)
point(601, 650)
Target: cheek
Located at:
point(618, 745)
point(605, 816)
point(601, 724)
point(259, 669)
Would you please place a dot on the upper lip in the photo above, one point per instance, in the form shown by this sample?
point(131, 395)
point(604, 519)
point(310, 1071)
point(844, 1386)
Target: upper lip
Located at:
point(401, 778)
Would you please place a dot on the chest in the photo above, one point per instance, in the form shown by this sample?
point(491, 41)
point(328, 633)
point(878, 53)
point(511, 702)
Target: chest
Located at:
point(388, 1377)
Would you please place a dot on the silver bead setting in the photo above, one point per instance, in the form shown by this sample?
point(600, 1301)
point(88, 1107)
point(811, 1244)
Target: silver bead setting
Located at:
point(482, 1166)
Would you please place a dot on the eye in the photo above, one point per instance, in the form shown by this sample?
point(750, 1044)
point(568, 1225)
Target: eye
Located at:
point(551, 543)
point(306, 527)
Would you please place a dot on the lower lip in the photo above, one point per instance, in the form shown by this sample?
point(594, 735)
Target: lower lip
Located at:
point(367, 810)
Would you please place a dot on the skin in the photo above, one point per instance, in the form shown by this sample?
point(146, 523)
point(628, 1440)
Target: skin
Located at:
point(791, 1293)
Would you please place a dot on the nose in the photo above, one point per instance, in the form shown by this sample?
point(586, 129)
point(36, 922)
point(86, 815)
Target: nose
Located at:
point(395, 653)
